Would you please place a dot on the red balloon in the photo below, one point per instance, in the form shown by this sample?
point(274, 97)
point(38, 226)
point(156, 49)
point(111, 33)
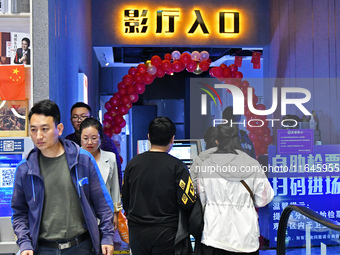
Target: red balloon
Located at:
point(117, 95)
point(156, 60)
point(204, 65)
point(132, 71)
point(255, 99)
point(247, 113)
point(168, 56)
point(125, 99)
point(107, 105)
point(107, 116)
point(121, 85)
point(260, 131)
point(191, 66)
point(116, 129)
point(257, 144)
point(134, 97)
point(138, 77)
point(122, 110)
point(266, 130)
point(130, 89)
point(253, 136)
point(118, 119)
point(216, 72)
point(142, 68)
point(233, 68)
point(244, 84)
point(185, 58)
point(166, 64)
point(129, 105)
point(114, 101)
point(170, 71)
point(178, 66)
point(120, 157)
point(148, 78)
point(223, 66)
point(209, 61)
point(108, 132)
point(260, 107)
point(226, 72)
point(128, 79)
point(122, 91)
point(160, 72)
point(107, 124)
point(266, 139)
point(238, 75)
point(113, 112)
point(122, 124)
point(140, 88)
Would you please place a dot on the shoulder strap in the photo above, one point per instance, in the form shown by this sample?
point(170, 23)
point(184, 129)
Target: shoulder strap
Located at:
point(249, 190)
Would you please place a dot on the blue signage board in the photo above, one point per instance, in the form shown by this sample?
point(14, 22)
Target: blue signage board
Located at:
point(314, 190)
point(8, 164)
point(295, 141)
point(11, 145)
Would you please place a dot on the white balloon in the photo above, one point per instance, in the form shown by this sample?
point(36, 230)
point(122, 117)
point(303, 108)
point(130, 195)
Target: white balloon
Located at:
point(204, 55)
point(195, 56)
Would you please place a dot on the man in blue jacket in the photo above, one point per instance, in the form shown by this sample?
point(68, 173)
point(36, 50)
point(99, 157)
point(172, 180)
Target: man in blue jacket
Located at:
point(59, 193)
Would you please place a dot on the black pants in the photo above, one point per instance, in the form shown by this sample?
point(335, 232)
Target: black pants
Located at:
point(152, 240)
point(208, 250)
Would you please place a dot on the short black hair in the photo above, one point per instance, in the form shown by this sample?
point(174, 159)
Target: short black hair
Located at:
point(91, 122)
point(228, 139)
point(47, 108)
point(229, 115)
point(26, 40)
point(210, 137)
point(81, 104)
point(161, 130)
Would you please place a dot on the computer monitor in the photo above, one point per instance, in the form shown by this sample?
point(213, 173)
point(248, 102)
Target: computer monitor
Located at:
point(185, 149)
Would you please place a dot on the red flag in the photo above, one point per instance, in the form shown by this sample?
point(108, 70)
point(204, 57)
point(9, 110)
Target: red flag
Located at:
point(238, 61)
point(12, 82)
point(257, 66)
point(256, 58)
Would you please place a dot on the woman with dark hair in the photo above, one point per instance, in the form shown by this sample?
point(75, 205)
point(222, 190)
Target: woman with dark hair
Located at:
point(91, 133)
point(230, 219)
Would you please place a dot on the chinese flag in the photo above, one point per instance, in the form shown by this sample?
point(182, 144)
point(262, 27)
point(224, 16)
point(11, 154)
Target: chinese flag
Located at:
point(238, 61)
point(256, 58)
point(12, 82)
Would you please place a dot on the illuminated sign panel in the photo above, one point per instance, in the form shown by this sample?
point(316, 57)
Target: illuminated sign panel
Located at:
point(168, 21)
point(157, 22)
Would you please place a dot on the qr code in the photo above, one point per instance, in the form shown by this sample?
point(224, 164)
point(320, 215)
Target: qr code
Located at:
point(7, 177)
point(8, 145)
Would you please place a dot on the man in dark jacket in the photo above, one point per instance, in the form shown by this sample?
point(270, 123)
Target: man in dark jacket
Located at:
point(81, 111)
point(155, 186)
point(59, 193)
point(23, 54)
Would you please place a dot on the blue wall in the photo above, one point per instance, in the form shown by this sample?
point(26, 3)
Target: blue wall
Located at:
point(70, 53)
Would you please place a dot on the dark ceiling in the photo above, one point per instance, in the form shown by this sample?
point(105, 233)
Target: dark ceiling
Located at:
point(139, 55)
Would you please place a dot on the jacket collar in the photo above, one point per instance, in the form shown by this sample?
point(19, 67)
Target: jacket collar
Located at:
point(71, 152)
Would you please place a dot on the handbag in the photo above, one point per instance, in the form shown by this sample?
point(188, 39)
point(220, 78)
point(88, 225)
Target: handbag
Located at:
point(123, 229)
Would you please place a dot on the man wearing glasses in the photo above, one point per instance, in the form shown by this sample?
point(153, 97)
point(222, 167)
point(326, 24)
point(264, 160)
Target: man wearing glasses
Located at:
point(79, 112)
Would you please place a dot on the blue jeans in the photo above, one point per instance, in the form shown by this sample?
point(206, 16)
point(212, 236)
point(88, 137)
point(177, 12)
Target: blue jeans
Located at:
point(83, 248)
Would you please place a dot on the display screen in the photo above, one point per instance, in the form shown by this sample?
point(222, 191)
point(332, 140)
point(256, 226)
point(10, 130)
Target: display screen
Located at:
point(8, 164)
point(185, 150)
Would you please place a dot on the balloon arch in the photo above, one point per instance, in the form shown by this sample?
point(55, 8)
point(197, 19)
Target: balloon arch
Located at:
point(133, 84)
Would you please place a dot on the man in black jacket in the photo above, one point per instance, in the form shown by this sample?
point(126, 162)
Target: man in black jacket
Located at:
point(155, 186)
point(23, 54)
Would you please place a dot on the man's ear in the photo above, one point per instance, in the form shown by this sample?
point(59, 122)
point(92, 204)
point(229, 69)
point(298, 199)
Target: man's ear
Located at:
point(217, 143)
point(172, 139)
point(148, 137)
point(60, 128)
